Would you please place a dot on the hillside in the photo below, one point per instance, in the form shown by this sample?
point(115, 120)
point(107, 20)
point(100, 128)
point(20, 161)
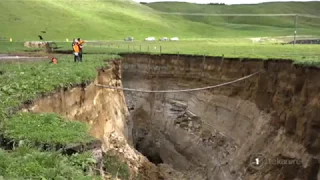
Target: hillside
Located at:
point(306, 25)
point(117, 19)
point(90, 19)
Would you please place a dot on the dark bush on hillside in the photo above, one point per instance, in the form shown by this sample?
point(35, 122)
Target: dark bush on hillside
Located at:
point(27, 163)
point(221, 4)
point(114, 166)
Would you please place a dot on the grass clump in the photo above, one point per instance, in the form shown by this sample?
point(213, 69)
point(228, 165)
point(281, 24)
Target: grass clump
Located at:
point(49, 129)
point(27, 163)
point(115, 167)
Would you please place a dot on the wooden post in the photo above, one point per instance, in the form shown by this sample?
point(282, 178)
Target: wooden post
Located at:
point(295, 29)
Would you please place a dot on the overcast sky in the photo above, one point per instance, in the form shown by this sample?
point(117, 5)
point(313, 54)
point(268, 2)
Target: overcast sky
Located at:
point(221, 1)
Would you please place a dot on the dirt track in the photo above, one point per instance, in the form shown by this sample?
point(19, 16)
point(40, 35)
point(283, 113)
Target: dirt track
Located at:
point(6, 57)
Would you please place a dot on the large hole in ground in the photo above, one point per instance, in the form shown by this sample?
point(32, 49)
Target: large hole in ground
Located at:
point(214, 133)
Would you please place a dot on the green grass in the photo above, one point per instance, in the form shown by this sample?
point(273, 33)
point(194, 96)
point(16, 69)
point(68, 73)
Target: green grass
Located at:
point(24, 81)
point(27, 163)
point(115, 20)
point(48, 129)
point(304, 54)
point(116, 167)
point(227, 47)
point(20, 82)
point(262, 8)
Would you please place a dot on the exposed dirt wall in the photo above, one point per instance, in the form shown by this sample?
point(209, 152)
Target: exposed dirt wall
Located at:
point(104, 110)
point(212, 133)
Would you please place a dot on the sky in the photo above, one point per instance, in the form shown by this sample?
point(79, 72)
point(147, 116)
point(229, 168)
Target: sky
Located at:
point(221, 1)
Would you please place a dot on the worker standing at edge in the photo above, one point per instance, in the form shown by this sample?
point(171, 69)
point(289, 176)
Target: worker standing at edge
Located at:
point(76, 50)
point(80, 43)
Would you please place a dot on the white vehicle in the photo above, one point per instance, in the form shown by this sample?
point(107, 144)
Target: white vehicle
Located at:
point(164, 39)
point(129, 39)
point(150, 39)
point(174, 39)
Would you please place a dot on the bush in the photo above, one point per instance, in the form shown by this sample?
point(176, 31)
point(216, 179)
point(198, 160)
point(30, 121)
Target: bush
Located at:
point(47, 129)
point(27, 163)
point(117, 168)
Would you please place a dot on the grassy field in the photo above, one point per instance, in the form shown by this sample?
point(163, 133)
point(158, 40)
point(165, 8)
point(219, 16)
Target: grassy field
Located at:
point(95, 19)
point(235, 48)
point(262, 8)
point(306, 54)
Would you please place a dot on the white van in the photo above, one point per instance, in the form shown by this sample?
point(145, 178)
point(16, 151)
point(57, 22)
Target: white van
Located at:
point(150, 39)
point(174, 39)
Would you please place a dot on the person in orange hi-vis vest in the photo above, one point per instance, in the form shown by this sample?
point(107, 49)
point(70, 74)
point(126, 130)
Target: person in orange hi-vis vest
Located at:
point(76, 50)
point(80, 42)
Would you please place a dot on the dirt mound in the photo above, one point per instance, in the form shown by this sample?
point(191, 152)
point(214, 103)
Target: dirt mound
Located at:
point(35, 44)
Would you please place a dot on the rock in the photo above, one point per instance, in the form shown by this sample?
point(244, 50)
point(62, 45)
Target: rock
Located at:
point(179, 104)
point(176, 109)
point(190, 114)
point(197, 126)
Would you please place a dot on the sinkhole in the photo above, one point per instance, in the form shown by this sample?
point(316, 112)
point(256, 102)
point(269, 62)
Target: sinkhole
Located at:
point(216, 133)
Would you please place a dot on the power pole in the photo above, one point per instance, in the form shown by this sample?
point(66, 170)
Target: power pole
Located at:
point(295, 28)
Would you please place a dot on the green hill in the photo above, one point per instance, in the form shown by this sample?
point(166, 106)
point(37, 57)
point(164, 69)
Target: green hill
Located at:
point(306, 25)
point(90, 19)
point(117, 19)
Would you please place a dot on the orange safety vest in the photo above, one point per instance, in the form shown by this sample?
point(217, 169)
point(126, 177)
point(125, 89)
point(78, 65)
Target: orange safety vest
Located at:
point(76, 48)
point(80, 44)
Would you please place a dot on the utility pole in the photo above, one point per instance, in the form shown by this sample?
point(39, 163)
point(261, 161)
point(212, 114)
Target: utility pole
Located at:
point(295, 28)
